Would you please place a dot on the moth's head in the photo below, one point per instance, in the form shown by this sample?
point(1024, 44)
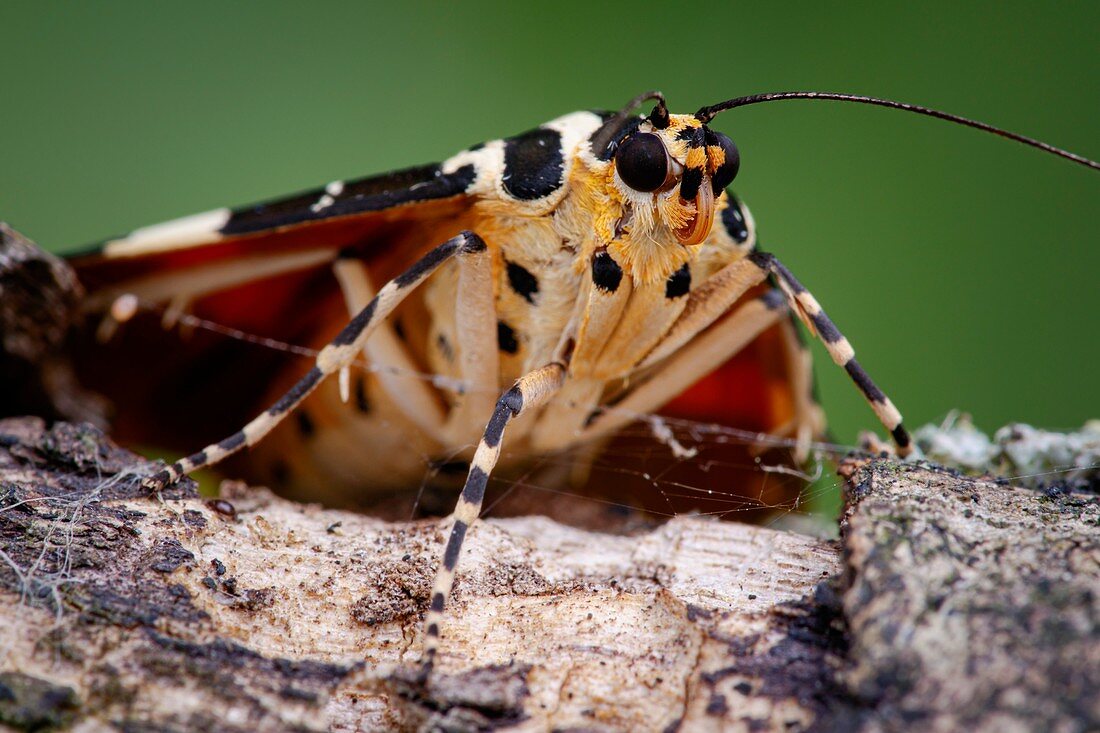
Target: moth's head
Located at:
point(668, 169)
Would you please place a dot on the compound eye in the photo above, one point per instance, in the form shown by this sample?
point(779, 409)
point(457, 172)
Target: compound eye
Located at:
point(642, 162)
point(726, 170)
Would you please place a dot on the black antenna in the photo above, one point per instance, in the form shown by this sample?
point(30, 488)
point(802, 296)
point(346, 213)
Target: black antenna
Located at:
point(611, 132)
point(706, 114)
point(659, 115)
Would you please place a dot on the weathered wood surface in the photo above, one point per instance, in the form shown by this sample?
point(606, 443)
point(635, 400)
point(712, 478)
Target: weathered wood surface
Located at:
point(127, 612)
point(951, 604)
point(971, 605)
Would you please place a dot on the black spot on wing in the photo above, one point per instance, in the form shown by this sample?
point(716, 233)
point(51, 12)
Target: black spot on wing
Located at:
point(368, 194)
point(733, 219)
point(506, 338)
point(522, 281)
point(533, 164)
point(443, 344)
point(362, 403)
point(606, 273)
point(678, 283)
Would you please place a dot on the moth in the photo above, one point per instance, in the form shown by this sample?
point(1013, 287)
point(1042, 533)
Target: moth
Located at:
point(556, 284)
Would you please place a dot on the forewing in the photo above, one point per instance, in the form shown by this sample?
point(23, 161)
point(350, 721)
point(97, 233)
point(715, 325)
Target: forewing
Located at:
point(262, 270)
point(359, 215)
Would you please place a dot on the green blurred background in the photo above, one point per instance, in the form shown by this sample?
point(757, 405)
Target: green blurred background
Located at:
point(964, 268)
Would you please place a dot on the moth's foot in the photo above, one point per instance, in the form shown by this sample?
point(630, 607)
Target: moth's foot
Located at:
point(423, 672)
point(870, 443)
point(161, 480)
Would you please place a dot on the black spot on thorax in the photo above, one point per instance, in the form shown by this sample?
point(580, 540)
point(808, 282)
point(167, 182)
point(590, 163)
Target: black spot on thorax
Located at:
point(678, 283)
point(522, 281)
point(533, 164)
point(506, 338)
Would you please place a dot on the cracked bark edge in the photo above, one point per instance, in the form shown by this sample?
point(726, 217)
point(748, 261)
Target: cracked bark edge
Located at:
point(39, 297)
point(972, 605)
point(130, 612)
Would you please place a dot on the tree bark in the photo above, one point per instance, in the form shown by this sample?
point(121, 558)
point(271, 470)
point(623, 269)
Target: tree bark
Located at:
point(971, 605)
point(949, 604)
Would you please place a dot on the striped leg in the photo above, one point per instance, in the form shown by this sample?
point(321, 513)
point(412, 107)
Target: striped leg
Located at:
point(341, 352)
point(398, 377)
point(809, 310)
point(530, 391)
